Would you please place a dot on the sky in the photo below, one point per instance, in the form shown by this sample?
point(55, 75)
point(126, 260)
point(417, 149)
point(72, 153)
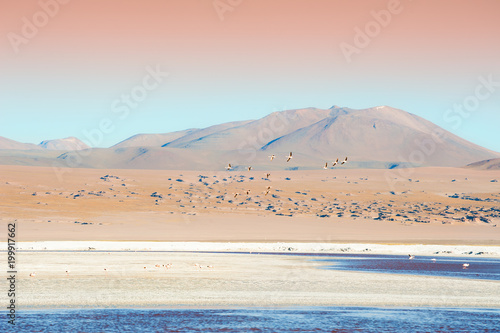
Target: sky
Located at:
point(104, 70)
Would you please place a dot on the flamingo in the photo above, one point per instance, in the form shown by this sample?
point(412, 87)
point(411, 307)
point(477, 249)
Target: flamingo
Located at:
point(411, 257)
point(335, 163)
point(272, 157)
point(268, 189)
point(229, 167)
point(267, 175)
point(326, 166)
point(344, 161)
point(465, 266)
point(289, 157)
point(32, 274)
point(249, 168)
point(247, 192)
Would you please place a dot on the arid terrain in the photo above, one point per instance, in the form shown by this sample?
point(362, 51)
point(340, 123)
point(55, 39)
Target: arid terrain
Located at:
point(444, 205)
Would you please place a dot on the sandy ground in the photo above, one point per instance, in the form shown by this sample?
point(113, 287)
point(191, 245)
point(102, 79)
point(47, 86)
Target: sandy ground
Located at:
point(491, 251)
point(439, 211)
point(234, 280)
point(427, 205)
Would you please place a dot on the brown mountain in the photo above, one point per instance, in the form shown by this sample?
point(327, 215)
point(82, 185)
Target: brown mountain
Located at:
point(492, 164)
point(379, 137)
point(70, 143)
point(152, 140)
point(11, 144)
point(382, 134)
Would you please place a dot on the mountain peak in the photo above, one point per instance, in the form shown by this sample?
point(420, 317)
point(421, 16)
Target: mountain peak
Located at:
point(69, 143)
point(376, 137)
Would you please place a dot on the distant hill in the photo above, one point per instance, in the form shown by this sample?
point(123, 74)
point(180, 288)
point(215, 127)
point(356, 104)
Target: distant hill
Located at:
point(11, 144)
point(381, 134)
point(70, 143)
point(66, 144)
point(152, 140)
point(254, 134)
point(492, 164)
point(378, 137)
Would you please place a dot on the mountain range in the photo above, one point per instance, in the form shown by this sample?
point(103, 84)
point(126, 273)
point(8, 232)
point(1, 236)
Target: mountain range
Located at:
point(378, 137)
point(70, 143)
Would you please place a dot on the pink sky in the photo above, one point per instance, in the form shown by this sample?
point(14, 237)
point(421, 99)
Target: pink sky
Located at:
point(264, 54)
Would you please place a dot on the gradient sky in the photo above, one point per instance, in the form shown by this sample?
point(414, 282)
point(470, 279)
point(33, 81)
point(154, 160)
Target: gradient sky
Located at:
point(264, 56)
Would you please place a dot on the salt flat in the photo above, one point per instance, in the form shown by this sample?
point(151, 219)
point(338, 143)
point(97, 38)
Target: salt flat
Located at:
point(233, 280)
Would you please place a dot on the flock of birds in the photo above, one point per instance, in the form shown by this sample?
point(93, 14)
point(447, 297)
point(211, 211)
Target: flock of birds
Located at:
point(168, 266)
point(268, 189)
point(464, 266)
point(156, 266)
point(288, 158)
point(335, 163)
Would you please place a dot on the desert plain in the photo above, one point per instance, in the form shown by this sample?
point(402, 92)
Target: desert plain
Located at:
point(423, 205)
point(103, 238)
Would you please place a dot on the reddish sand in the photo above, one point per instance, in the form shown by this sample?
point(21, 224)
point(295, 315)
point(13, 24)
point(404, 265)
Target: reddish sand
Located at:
point(438, 205)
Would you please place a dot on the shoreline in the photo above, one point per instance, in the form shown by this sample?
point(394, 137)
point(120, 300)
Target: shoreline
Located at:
point(261, 307)
point(268, 247)
point(102, 279)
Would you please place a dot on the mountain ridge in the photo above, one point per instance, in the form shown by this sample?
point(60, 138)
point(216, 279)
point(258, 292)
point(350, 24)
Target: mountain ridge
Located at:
point(377, 137)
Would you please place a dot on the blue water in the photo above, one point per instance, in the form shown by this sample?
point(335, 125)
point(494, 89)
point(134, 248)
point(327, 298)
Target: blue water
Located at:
point(479, 268)
point(308, 319)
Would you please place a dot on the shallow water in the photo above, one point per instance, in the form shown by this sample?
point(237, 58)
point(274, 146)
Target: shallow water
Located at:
point(479, 268)
point(304, 319)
